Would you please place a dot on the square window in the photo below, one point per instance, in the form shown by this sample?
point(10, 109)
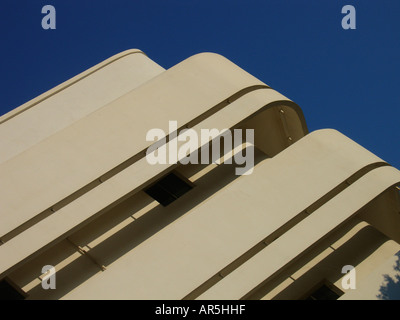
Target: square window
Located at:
point(9, 292)
point(168, 189)
point(324, 292)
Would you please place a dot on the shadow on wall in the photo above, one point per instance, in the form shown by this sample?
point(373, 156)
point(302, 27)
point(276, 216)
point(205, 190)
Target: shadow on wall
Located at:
point(390, 290)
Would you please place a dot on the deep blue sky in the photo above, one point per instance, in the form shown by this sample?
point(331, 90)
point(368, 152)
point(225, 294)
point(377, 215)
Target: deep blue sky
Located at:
point(342, 79)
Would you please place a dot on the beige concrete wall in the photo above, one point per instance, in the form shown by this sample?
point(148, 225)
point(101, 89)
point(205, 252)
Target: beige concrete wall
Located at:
point(71, 101)
point(88, 205)
point(111, 135)
point(119, 231)
point(357, 244)
point(232, 216)
point(381, 284)
point(311, 201)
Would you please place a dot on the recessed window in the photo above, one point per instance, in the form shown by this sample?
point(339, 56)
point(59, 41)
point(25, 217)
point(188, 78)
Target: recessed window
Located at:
point(324, 292)
point(9, 292)
point(168, 189)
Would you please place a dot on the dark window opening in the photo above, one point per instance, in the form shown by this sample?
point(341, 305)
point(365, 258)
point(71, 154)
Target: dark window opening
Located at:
point(9, 292)
point(168, 189)
point(324, 292)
